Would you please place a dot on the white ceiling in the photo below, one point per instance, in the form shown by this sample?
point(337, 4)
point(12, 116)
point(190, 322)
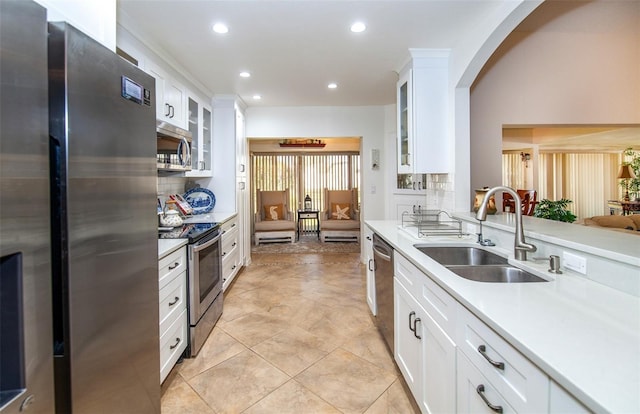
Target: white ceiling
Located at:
point(295, 48)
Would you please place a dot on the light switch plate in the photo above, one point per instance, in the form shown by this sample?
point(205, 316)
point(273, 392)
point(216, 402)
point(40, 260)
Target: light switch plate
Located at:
point(575, 262)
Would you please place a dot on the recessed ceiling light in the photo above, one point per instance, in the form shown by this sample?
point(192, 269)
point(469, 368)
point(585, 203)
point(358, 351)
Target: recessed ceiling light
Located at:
point(257, 97)
point(332, 85)
point(358, 27)
point(245, 74)
point(220, 28)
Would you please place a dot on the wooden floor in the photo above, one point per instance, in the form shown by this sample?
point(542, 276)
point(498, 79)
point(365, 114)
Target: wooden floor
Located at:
point(295, 336)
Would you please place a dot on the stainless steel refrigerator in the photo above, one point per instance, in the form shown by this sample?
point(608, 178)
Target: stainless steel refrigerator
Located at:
point(78, 223)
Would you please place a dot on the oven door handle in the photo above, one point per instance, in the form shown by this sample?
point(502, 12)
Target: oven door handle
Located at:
point(204, 245)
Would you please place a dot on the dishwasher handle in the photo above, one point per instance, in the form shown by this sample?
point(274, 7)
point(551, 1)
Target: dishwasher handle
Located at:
point(383, 254)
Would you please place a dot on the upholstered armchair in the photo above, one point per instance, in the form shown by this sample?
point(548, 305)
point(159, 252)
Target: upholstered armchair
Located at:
point(340, 219)
point(274, 221)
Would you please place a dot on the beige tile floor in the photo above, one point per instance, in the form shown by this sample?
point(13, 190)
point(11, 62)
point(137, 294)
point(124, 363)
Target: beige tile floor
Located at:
point(295, 336)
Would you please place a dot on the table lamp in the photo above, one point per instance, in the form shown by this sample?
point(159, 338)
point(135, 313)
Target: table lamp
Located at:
point(625, 173)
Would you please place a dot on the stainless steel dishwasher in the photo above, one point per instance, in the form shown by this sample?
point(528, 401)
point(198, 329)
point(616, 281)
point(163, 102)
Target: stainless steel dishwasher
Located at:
point(383, 260)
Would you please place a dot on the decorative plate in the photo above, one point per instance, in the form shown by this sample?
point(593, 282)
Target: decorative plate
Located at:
point(201, 199)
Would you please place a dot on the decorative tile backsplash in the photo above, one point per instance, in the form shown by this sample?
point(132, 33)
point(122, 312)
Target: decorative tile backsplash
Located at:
point(171, 185)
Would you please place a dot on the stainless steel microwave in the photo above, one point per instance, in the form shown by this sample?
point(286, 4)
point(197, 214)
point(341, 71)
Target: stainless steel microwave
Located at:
point(174, 147)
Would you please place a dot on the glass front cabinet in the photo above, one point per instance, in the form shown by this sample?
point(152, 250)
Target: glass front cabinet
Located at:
point(423, 113)
point(404, 145)
point(199, 124)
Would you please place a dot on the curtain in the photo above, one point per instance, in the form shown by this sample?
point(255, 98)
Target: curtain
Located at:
point(304, 174)
point(513, 171)
point(588, 180)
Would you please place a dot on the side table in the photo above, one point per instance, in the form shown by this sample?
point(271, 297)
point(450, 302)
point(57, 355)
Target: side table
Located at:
point(309, 215)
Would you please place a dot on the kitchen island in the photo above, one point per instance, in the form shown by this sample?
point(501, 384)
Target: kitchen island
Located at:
point(585, 336)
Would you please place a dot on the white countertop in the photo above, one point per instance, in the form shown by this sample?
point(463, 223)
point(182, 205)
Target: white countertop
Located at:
point(584, 335)
point(166, 246)
point(213, 217)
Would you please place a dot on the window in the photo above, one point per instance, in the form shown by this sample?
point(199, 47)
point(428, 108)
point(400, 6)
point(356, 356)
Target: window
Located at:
point(304, 174)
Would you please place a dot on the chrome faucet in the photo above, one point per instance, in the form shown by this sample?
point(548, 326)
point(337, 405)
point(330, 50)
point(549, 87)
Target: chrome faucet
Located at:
point(520, 247)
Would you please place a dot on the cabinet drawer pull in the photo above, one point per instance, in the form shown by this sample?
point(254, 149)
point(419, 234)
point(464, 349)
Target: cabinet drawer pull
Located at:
point(178, 342)
point(415, 328)
point(167, 110)
point(223, 254)
point(234, 244)
point(176, 264)
point(480, 391)
point(175, 300)
point(369, 265)
point(411, 315)
point(483, 351)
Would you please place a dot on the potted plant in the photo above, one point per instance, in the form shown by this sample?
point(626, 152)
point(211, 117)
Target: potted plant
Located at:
point(633, 159)
point(554, 210)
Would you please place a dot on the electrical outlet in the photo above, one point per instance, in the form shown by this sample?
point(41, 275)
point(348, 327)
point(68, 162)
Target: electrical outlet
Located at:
point(575, 262)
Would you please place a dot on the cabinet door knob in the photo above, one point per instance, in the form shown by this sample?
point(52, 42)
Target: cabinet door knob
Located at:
point(411, 327)
point(483, 351)
point(176, 344)
point(480, 391)
point(415, 328)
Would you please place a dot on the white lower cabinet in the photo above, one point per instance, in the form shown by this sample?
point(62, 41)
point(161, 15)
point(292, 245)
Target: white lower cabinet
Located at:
point(522, 384)
point(172, 283)
point(371, 276)
point(425, 355)
point(230, 251)
point(475, 393)
point(560, 401)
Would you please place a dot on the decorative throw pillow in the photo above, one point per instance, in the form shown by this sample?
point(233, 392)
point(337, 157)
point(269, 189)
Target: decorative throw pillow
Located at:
point(340, 211)
point(273, 212)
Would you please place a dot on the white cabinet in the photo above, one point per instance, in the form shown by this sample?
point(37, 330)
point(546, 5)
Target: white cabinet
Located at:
point(170, 96)
point(506, 372)
point(229, 251)
point(424, 352)
point(560, 401)
point(172, 284)
point(423, 113)
point(371, 276)
point(475, 394)
point(199, 121)
point(242, 190)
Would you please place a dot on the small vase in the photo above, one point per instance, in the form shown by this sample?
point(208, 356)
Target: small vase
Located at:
point(479, 199)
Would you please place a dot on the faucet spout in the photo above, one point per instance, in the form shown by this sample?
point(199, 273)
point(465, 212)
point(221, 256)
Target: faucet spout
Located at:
point(520, 247)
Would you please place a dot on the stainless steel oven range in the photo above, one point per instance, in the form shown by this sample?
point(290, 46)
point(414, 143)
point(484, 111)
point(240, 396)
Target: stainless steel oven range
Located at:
point(205, 280)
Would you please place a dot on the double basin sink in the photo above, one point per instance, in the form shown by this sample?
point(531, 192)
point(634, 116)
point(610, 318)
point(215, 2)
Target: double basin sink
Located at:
point(477, 264)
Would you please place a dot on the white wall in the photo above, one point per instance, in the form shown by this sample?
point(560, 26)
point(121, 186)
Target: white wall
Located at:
point(96, 18)
point(571, 63)
point(367, 122)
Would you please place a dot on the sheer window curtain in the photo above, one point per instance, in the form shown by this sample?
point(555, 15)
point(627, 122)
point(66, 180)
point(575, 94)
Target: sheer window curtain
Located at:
point(589, 180)
point(513, 171)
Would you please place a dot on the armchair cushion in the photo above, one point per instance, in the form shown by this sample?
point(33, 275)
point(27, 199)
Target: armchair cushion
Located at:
point(273, 212)
point(340, 211)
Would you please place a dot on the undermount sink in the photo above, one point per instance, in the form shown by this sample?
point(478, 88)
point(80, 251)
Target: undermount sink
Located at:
point(459, 255)
point(477, 264)
point(495, 274)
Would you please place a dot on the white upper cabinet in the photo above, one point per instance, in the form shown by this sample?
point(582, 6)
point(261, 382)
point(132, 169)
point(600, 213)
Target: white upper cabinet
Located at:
point(199, 124)
point(423, 108)
point(170, 97)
